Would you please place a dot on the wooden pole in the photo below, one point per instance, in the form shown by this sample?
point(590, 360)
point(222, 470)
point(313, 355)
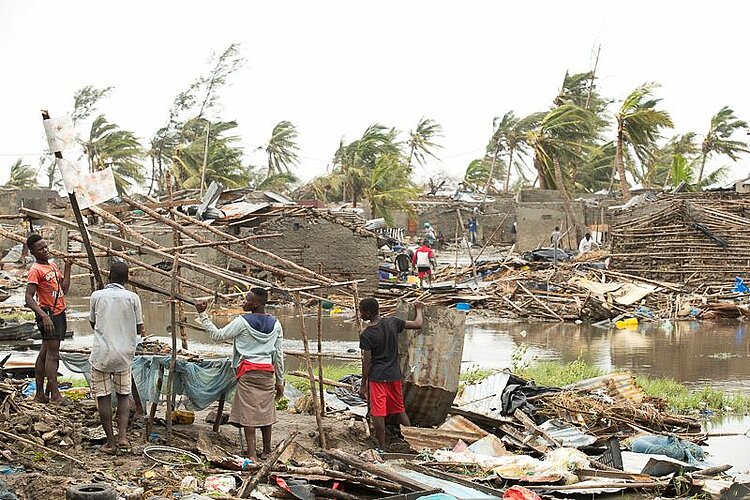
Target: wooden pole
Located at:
point(455, 265)
point(173, 360)
point(81, 226)
point(230, 253)
point(249, 484)
point(154, 404)
point(311, 376)
point(178, 274)
point(320, 349)
point(37, 445)
point(468, 247)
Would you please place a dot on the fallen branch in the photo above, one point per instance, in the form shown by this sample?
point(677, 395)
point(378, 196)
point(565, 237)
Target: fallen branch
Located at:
point(42, 447)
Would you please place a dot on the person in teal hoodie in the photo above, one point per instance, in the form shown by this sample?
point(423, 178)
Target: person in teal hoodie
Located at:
point(258, 359)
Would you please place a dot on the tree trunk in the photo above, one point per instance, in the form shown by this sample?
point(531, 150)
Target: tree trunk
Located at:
point(270, 164)
point(567, 203)
point(621, 164)
point(540, 174)
point(510, 167)
point(703, 164)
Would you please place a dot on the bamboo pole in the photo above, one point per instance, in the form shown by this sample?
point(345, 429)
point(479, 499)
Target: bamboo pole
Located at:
point(250, 483)
point(217, 243)
point(173, 356)
point(468, 247)
point(320, 348)
point(238, 256)
point(178, 273)
point(42, 447)
point(81, 226)
point(235, 239)
point(311, 376)
point(455, 264)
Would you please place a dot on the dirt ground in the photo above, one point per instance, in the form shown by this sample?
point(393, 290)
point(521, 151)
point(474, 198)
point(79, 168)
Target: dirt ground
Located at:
point(46, 476)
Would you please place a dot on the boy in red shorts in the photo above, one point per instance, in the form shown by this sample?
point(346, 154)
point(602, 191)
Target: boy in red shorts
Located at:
point(381, 374)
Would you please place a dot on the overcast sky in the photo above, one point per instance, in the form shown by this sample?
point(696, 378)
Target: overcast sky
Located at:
point(333, 68)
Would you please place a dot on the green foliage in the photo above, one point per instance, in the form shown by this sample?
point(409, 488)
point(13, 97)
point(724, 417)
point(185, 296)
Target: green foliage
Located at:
point(640, 122)
point(331, 372)
point(85, 101)
point(389, 187)
point(679, 397)
point(421, 142)
point(110, 146)
point(478, 172)
point(22, 176)
point(223, 161)
point(282, 149)
point(280, 183)
point(474, 375)
point(718, 139)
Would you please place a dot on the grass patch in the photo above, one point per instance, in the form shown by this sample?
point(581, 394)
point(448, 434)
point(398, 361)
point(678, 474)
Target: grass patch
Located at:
point(680, 398)
point(332, 372)
point(76, 381)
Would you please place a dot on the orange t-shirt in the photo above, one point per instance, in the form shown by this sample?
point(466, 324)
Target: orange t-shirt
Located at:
point(48, 281)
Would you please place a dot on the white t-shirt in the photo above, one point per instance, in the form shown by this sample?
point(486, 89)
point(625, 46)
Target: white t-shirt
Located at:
point(115, 312)
point(585, 245)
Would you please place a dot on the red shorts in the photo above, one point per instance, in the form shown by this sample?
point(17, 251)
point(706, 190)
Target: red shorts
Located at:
point(386, 398)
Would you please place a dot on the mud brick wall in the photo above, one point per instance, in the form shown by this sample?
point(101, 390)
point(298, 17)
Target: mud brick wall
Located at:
point(310, 242)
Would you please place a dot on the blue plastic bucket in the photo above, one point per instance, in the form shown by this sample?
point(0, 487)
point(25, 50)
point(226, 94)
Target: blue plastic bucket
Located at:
point(463, 306)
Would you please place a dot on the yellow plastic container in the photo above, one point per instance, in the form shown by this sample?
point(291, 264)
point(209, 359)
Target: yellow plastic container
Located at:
point(183, 417)
point(413, 280)
point(627, 324)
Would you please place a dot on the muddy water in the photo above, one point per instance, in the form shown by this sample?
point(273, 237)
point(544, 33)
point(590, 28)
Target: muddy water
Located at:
point(693, 353)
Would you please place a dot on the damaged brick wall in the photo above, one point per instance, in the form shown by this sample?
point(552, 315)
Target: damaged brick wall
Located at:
point(313, 241)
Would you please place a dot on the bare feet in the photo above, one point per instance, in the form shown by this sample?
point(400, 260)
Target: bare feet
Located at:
point(123, 445)
point(108, 448)
point(41, 398)
point(61, 401)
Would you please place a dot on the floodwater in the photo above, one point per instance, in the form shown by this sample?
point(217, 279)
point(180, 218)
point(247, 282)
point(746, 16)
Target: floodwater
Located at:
point(694, 353)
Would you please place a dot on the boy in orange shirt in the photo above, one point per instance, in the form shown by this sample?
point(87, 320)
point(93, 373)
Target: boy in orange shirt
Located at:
point(45, 295)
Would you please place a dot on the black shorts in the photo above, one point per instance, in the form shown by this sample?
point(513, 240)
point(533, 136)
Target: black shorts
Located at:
point(427, 269)
point(61, 326)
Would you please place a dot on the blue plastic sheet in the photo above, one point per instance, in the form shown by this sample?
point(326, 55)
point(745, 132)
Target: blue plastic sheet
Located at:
point(670, 446)
point(201, 383)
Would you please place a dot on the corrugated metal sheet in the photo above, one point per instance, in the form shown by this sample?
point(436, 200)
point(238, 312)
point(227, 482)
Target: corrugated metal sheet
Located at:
point(459, 423)
point(431, 363)
point(622, 386)
point(567, 434)
point(234, 211)
point(484, 396)
point(435, 439)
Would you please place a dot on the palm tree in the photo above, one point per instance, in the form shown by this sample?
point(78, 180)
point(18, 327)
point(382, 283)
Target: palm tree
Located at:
point(281, 183)
point(390, 187)
point(421, 141)
point(718, 139)
point(563, 135)
point(510, 136)
point(223, 159)
point(355, 161)
point(22, 176)
point(110, 146)
point(282, 148)
point(482, 172)
point(638, 127)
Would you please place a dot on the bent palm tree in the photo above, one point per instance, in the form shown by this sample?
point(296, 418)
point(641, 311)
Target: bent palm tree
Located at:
point(638, 127)
point(718, 139)
point(421, 141)
point(282, 148)
point(563, 135)
point(22, 176)
point(390, 187)
point(110, 146)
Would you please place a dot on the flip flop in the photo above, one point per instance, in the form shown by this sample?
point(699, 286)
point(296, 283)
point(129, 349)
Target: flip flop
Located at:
point(124, 449)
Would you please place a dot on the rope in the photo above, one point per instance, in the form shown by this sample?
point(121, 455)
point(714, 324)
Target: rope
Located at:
point(177, 451)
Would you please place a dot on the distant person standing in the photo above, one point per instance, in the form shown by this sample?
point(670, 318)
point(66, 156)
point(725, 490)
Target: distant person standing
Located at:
point(473, 227)
point(587, 244)
point(429, 233)
point(45, 295)
point(424, 261)
point(555, 237)
point(381, 373)
point(403, 264)
point(116, 317)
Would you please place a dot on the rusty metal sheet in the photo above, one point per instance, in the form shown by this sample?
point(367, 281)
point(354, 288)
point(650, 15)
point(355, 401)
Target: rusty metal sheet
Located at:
point(436, 439)
point(235, 211)
point(431, 363)
point(459, 423)
point(620, 386)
